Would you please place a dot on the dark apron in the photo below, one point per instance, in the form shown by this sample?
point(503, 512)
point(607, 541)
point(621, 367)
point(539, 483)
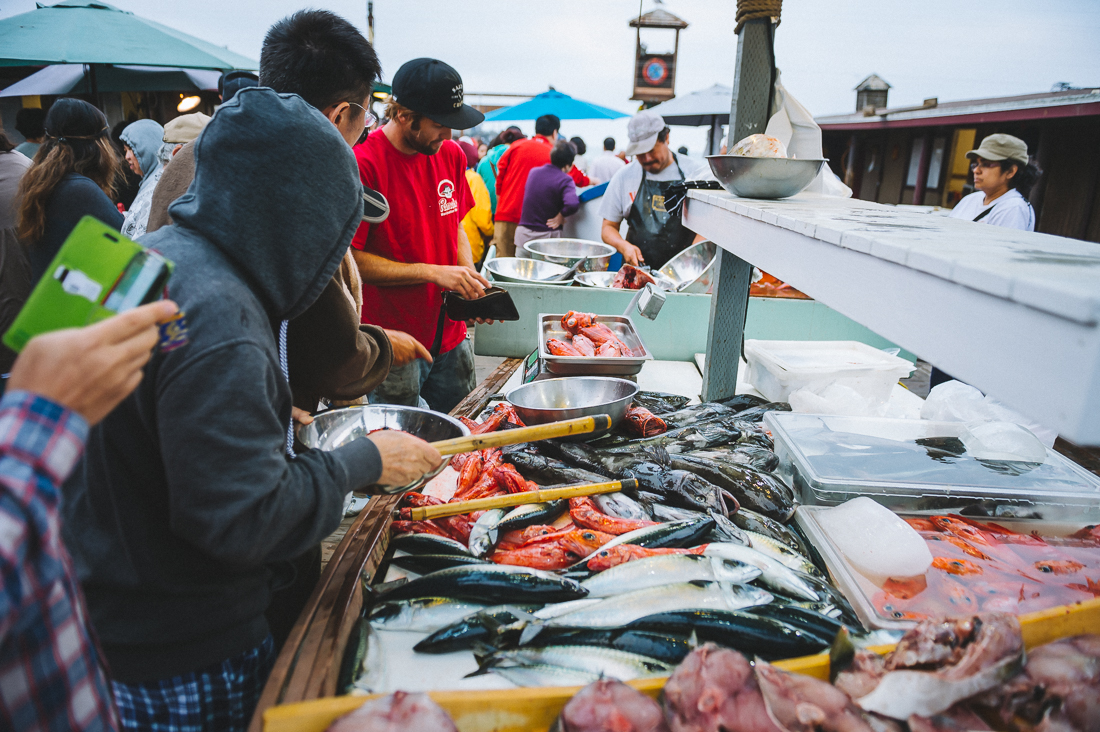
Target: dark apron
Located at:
point(658, 234)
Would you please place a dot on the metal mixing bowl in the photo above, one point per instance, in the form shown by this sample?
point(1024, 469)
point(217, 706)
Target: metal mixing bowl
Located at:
point(692, 270)
point(763, 177)
point(604, 279)
point(595, 279)
point(551, 400)
point(337, 427)
point(567, 252)
point(526, 271)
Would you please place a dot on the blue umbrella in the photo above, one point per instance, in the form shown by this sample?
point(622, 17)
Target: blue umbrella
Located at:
point(553, 102)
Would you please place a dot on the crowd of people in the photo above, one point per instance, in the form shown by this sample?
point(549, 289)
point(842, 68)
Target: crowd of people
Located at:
point(159, 531)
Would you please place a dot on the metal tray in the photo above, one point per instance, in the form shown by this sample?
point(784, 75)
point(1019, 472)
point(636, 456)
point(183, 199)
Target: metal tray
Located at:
point(859, 590)
point(621, 326)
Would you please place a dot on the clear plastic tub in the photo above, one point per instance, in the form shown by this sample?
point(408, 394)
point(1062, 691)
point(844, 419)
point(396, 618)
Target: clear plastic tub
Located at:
point(923, 466)
point(777, 368)
point(861, 592)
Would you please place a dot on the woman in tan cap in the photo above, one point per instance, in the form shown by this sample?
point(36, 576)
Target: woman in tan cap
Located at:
point(1003, 178)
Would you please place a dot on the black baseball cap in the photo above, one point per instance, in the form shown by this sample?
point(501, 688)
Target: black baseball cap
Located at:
point(432, 88)
point(231, 82)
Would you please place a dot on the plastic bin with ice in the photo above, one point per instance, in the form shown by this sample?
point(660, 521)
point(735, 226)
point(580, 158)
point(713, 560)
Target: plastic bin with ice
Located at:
point(918, 465)
point(777, 368)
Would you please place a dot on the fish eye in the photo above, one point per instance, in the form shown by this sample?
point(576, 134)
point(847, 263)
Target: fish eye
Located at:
point(589, 535)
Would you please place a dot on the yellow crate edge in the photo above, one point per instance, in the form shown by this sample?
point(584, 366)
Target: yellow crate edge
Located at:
point(534, 709)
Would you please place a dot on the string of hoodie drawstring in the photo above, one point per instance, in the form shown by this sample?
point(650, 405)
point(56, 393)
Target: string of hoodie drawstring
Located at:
point(286, 374)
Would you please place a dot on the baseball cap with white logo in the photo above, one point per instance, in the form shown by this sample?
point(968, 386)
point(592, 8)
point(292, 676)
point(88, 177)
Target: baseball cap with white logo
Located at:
point(642, 130)
point(434, 89)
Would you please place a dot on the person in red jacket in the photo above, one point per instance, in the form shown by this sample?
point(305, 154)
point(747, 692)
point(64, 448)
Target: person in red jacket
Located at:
point(512, 170)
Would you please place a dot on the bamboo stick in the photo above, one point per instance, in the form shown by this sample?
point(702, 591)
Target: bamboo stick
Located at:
point(519, 499)
point(470, 443)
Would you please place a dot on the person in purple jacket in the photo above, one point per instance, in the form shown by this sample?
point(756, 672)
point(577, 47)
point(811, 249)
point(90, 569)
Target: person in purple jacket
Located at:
point(549, 196)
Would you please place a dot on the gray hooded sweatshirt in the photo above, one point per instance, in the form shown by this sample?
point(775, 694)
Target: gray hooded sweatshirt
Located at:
point(186, 494)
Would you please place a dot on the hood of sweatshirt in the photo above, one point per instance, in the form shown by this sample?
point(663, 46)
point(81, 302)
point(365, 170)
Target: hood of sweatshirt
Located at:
point(145, 138)
point(277, 191)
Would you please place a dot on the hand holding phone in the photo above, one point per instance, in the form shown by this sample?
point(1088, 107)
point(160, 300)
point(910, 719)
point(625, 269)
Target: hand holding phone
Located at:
point(90, 370)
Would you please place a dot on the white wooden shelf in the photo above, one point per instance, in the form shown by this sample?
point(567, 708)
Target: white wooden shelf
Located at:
point(1014, 313)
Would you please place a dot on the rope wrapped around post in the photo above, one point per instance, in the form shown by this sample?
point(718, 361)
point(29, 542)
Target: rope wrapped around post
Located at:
point(756, 9)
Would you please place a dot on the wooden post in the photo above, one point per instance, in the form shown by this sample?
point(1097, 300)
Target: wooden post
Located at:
point(753, 83)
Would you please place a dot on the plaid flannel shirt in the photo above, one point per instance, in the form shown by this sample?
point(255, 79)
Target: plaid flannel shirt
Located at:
point(50, 672)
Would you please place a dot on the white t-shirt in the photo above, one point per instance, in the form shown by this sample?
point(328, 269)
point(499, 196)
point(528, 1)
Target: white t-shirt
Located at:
point(619, 196)
point(604, 167)
point(1010, 210)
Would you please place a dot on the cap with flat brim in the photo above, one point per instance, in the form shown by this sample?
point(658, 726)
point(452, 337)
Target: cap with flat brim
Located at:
point(996, 148)
point(430, 87)
point(464, 118)
point(641, 146)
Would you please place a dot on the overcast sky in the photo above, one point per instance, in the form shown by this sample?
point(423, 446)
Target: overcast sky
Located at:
point(950, 49)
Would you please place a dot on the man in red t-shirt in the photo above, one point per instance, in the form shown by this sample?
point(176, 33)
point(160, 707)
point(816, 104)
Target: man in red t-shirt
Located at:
point(421, 250)
point(512, 169)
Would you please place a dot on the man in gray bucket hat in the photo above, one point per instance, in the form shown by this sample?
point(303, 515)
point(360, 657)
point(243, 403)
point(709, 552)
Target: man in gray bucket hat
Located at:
point(1003, 178)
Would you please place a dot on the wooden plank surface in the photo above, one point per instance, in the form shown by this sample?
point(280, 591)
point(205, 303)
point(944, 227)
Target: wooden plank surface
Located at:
point(308, 665)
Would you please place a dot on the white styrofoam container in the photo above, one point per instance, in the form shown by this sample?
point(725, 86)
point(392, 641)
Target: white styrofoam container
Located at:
point(777, 368)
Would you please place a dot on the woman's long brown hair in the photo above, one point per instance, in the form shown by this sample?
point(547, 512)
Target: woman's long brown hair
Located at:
point(55, 160)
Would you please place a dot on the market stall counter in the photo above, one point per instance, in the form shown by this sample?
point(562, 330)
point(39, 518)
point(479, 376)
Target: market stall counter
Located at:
point(550, 596)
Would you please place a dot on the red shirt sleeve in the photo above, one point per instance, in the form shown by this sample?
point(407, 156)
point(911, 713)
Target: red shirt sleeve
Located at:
point(578, 177)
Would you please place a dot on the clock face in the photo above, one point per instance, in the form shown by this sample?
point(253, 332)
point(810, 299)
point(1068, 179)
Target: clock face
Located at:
point(655, 71)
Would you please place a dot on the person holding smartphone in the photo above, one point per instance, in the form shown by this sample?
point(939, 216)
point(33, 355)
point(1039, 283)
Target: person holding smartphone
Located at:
point(61, 384)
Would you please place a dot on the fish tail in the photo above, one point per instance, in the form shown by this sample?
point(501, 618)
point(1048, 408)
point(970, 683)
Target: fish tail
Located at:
point(530, 631)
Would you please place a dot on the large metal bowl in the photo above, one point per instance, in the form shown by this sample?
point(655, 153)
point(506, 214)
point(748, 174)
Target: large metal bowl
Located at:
point(595, 254)
point(763, 177)
point(604, 279)
point(551, 400)
point(692, 270)
point(595, 279)
point(526, 271)
point(338, 427)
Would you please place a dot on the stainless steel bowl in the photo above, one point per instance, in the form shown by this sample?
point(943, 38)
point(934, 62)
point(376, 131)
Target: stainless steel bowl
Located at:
point(604, 279)
point(692, 270)
point(526, 271)
point(567, 252)
point(763, 177)
point(551, 400)
point(595, 279)
point(338, 427)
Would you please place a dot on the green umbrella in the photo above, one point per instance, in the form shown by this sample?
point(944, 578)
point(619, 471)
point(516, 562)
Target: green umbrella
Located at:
point(75, 32)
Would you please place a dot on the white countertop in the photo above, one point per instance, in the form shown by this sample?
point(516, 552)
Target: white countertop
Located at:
point(1016, 314)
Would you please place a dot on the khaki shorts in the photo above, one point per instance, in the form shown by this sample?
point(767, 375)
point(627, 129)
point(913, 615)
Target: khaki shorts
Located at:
point(504, 238)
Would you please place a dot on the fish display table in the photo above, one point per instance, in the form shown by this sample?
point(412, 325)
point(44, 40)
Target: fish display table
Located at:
point(1001, 309)
point(309, 664)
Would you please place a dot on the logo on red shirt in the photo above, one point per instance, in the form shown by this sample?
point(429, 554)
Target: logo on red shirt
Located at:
point(447, 202)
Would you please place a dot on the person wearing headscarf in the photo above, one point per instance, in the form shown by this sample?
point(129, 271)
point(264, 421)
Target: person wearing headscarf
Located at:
point(75, 176)
point(143, 142)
